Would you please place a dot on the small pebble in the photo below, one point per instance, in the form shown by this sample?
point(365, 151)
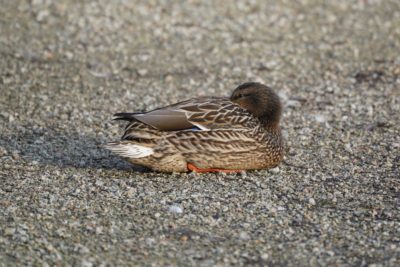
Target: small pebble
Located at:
point(175, 209)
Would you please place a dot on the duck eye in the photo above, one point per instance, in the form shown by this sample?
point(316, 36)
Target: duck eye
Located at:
point(240, 95)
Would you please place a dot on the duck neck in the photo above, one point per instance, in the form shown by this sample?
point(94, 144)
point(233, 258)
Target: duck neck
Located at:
point(271, 126)
point(270, 120)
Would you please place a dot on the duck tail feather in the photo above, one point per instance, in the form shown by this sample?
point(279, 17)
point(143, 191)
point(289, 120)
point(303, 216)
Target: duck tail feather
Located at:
point(129, 149)
point(125, 116)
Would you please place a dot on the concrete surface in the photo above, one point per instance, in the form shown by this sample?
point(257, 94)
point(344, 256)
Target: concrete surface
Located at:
point(67, 66)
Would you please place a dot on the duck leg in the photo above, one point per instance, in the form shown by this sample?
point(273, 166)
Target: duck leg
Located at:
point(193, 168)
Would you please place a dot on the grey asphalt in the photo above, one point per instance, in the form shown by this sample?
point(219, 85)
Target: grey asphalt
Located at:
point(67, 66)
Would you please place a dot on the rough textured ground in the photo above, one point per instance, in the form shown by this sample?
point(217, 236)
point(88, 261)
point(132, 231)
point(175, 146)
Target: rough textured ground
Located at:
point(66, 66)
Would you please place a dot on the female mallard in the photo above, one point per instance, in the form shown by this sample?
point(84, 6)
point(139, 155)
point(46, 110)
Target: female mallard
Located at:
point(206, 134)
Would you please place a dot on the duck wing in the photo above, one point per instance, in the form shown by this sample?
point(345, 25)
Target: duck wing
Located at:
point(198, 114)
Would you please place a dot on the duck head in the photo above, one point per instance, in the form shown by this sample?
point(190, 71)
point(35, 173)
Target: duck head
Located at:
point(259, 100)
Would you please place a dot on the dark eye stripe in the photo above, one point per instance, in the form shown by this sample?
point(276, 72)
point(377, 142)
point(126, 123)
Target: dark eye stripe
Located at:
point(240, 95)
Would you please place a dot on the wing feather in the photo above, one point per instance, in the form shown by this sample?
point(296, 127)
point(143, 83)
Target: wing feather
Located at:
point(201, 113)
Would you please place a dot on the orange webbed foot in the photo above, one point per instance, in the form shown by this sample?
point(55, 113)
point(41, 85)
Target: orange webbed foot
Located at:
point(193, 168)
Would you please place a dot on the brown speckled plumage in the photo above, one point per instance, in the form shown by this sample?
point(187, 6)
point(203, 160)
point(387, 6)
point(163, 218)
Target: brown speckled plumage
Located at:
point(237, 133)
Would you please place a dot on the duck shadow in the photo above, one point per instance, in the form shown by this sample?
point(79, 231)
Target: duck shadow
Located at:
point(52, 147)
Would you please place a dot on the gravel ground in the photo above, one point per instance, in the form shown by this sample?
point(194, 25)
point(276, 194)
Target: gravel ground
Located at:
point(67, 66)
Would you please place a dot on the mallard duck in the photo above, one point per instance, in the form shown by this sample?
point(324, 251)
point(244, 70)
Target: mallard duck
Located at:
point(207, 134)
